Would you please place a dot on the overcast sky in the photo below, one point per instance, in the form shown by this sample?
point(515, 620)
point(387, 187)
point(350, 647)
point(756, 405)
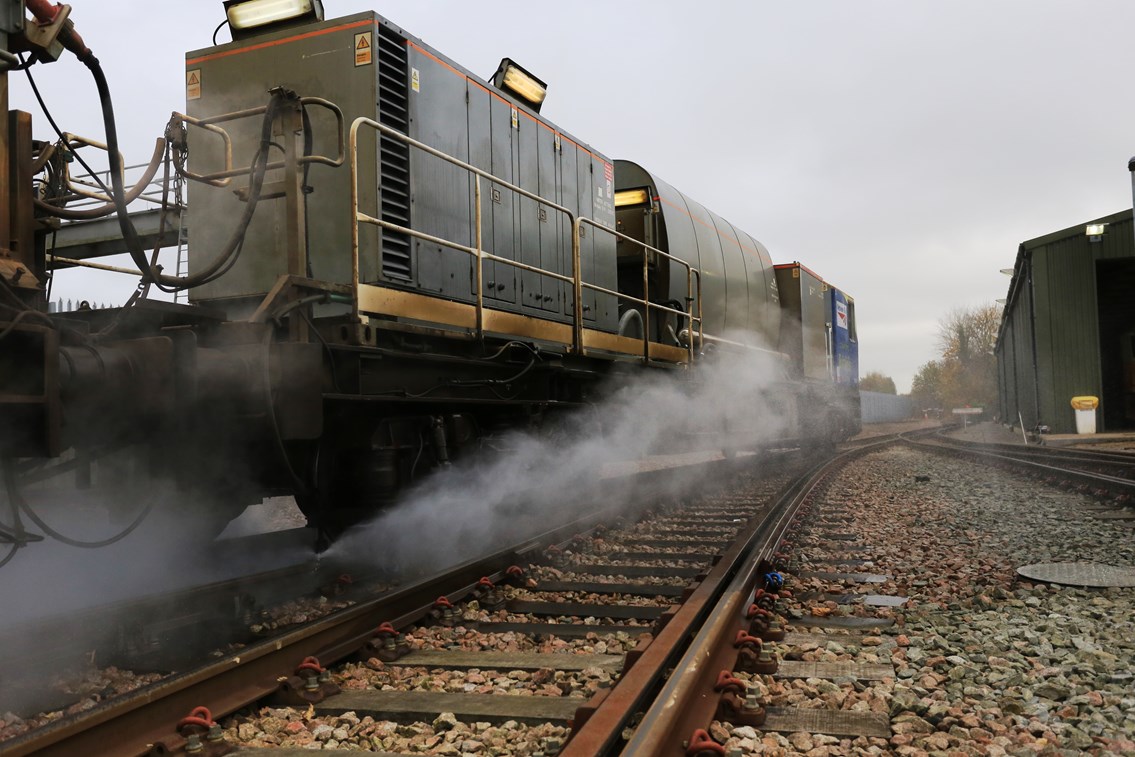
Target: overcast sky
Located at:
point(902, 150)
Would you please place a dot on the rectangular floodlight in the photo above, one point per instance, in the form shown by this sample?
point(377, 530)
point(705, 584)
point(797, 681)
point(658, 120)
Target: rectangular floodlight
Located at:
point(513, 78)
point(253, 14)
point(631, 197)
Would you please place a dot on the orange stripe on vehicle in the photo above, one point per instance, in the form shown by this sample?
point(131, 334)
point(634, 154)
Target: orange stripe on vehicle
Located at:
point(497, 96)
point(276, 43)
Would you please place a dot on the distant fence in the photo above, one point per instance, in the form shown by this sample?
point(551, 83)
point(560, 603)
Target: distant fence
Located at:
point(70, 306)
point(877, 407)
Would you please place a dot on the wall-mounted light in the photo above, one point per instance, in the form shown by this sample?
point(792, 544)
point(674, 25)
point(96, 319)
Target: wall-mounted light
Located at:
point(1008, 271)
point(1095, 231)
point(631, 197)
point(515, 79)
point(247, 17)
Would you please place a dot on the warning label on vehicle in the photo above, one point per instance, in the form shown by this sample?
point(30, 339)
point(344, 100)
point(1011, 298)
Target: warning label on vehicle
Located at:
point(841, 315)
point(193, 84)
point(364, 50)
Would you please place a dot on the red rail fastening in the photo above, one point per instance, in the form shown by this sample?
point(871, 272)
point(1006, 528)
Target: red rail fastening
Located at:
point(726, 680)
point(701, 743)
point(755, 610)
point(515, 571)
point(200, 717)
point(309, 663)
point(743, 639)
point(442, 602)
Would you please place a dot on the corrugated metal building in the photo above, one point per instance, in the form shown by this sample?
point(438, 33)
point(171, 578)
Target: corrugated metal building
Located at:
point(1068, 326)
point(876, 407)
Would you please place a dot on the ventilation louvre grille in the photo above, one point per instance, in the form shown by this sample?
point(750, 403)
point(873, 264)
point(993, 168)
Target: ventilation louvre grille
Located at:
point(394, 111)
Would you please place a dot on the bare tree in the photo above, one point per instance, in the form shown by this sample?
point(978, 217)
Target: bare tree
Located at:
point(967, 338)
point(966, 373)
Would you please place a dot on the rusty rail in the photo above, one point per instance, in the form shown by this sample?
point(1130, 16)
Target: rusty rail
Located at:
point(713, 615)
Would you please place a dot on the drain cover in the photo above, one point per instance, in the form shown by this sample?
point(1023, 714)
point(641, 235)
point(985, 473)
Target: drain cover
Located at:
point(1079, 574)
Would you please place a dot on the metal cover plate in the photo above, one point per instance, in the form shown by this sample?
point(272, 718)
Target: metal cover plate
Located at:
point(1079, 574)
point(883, 600)
point(850, 622)
point(833, 670)
point(863, 578)
point(834, 722)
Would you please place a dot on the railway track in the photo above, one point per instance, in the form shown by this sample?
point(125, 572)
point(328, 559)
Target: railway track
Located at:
point(1103, 471)
point(148, 715)
point(641, 632)
point(586, 621)
point(980, 657)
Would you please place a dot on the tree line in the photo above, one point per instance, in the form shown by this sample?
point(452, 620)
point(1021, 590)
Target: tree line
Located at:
point(965, 371)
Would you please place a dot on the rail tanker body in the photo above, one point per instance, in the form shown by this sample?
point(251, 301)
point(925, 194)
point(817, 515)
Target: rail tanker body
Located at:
point(391, 260)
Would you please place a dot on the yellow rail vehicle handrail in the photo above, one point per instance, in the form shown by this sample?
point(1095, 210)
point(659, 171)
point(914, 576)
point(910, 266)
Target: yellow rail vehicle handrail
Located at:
point(479, 254)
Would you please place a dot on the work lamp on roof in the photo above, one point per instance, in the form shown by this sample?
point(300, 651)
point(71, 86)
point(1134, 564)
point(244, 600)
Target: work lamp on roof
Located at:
point(514, 79)
point(626, 197)
point(247, 17)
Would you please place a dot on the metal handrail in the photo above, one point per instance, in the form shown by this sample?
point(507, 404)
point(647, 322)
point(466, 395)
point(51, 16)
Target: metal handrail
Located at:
point(479, 254)
point(691, 297)
point(224, 177)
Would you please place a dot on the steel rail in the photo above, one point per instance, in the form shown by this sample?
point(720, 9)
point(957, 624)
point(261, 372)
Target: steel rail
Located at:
point(1045, 452)
point(687, 701)
point(137, 722)
point(1124, 485)
point(142, 721)
point(709, 613)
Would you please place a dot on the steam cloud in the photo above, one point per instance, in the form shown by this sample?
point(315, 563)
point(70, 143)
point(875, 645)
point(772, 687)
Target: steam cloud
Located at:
point(730, 402)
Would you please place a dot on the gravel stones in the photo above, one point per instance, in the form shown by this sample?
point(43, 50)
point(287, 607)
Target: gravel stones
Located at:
point(445, 735)
point(985, 663)
point(91, 687)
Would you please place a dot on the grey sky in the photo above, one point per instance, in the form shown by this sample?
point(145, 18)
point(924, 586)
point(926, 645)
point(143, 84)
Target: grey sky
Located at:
point(902, 150)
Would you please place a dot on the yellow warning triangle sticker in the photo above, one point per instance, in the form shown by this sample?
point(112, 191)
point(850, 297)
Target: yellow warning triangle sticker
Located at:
point(193, 78)
point(362, 42)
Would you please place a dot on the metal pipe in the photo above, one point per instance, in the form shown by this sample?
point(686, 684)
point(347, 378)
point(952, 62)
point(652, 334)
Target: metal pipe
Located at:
point(472, 251)
point(88, 264)
point(107, 208)
point(5, 143)
point(577, 285)
point(478, 254)
point(356, 217)
point(627, 318)
point(645, 305)
point(1032, 334)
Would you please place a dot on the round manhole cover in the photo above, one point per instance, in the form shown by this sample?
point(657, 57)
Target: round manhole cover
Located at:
point(1079, 574)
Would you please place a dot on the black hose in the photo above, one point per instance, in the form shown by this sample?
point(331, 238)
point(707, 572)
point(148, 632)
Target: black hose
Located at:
point(224, 259)
point(19, 504)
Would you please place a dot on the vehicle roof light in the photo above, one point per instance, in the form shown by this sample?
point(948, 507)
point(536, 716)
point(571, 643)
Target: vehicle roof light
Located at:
point(253, 14)
point(631, 197)
point(513, 78)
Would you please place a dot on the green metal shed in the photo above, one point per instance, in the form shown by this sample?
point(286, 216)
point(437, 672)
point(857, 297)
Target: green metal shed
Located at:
point(1068, 327)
